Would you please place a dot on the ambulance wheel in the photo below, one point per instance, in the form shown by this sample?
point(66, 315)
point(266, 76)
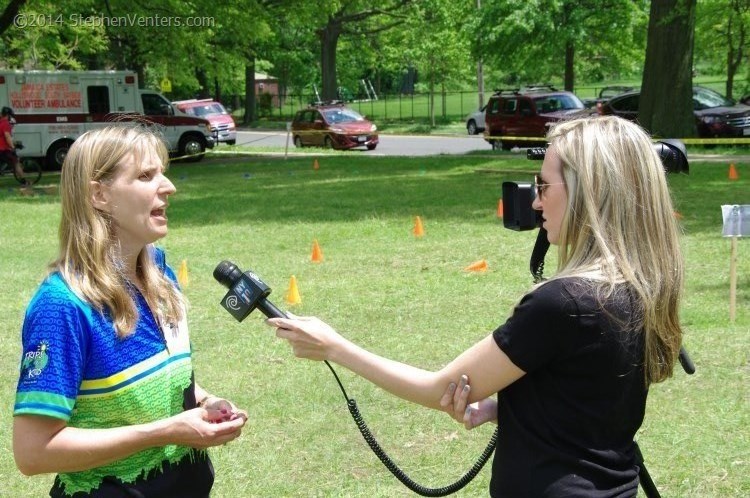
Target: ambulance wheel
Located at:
point(192, 148)
point(56, 154)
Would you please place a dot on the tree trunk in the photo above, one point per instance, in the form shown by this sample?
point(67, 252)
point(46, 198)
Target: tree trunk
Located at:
point(200, 75)
point(666, 104)
point(329, 38)
point(9, 14)
point(432, 96)
point(249, 93)
point(570, 50)
point(480, 83)
point(570, 78)
point(140, 70)
point(734, 54)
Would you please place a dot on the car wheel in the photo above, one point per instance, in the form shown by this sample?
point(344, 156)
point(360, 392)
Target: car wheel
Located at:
point(372, 146)
point(298, 142)
point(231, 142)
point(471, 127)
point(192, 148)
point(56, 154)
point(328, 143)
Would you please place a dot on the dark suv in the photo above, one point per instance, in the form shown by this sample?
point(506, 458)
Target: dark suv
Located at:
point(715, 115)
point(526, 113)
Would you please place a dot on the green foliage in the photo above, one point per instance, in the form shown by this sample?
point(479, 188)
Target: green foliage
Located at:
point(265, 104)
point(60, 35)
point(722, 27)
point(519, 41)
point(529, 38)
point(402, 297)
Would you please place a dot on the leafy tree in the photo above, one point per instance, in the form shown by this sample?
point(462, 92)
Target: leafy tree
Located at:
point(294, 54)
point(666, 103)
point(354, 17)
point(722, 37)
point(46, 35)
point(557, 39)
point(433, 42)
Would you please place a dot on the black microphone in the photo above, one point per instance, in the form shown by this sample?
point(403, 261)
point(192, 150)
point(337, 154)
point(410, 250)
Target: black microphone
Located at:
point(246, 292)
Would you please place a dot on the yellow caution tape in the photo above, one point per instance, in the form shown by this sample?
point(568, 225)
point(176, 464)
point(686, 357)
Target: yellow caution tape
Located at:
point(687, 141)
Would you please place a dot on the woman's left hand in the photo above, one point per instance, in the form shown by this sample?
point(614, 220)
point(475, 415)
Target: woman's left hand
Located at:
point(222, 410)
point(454, 403)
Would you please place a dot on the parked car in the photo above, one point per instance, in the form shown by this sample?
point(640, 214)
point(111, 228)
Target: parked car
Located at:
point(526, 113)
point(333, 125)
point(605, 94)
point(475, 121)
point(715, 115)
point(222, 124)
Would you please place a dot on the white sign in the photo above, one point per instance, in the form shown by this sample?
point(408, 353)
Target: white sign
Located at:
point(736, 220)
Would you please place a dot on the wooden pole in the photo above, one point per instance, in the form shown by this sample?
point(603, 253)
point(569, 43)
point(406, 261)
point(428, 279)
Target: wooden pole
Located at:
point(288, 134)
point(733, 280)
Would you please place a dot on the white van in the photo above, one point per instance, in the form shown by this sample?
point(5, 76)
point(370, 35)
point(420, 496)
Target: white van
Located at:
point(53, 108)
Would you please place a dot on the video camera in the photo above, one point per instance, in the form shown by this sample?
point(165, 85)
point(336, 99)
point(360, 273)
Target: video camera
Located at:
point(518, 196)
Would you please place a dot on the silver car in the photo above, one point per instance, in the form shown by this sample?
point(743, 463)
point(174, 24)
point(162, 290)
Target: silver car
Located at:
point(475, 121)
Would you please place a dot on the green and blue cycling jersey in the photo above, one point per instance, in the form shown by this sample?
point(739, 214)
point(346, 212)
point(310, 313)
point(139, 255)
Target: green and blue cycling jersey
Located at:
point(75, 368)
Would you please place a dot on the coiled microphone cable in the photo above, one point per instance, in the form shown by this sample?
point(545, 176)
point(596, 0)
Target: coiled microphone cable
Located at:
point(248, 292)
point(395, 470)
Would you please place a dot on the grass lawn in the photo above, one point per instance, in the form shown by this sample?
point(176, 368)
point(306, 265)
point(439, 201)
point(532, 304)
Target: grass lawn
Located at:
point(404, 297)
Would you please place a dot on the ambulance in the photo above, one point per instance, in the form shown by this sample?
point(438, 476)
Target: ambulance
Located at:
point(53, 108)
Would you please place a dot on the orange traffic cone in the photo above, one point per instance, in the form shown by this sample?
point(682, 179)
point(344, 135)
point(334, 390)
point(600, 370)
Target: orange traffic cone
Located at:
point(182, 274)
point(317, 254)
point(480, 265)
point(418, 228)
point(292, 294)
point(733, 175)
point(316, 166)
point(678, 215)
point(500, 208)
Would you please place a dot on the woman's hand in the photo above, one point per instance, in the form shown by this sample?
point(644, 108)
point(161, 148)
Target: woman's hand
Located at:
point(202, 428)
point(222, 410)
point(309, 337)
point(454, 404)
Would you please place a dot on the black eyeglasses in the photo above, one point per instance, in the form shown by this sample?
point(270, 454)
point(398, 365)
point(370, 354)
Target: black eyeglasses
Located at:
point(541, 185)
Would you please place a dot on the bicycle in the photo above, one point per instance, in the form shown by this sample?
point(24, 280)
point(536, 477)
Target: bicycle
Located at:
point(32, 171)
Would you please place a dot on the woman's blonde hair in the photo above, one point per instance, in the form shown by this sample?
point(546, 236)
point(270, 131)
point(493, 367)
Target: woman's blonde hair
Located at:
point(89, 253)
point(620, 227)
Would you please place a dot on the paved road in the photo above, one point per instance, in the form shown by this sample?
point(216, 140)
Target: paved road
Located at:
point(425, 145)
point(390, 145)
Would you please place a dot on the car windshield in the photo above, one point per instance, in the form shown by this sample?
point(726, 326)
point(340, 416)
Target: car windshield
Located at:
point(705, 98)
point(342, 115)
point(206, 110)
point(561, 102)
